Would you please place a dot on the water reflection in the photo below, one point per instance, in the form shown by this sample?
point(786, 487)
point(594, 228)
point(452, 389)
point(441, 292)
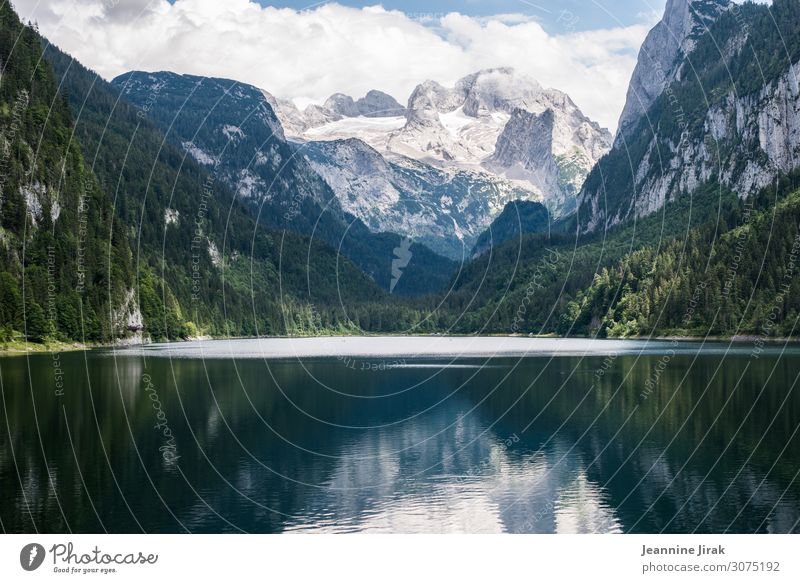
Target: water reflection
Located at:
point(491, 445)
point(465, 480)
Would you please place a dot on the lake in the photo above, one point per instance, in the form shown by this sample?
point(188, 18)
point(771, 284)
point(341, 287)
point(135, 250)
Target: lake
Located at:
point(475, 435)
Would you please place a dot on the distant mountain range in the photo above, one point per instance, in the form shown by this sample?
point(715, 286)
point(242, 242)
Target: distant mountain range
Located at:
point(438, 170)
point(230, 130)
point(459, 127)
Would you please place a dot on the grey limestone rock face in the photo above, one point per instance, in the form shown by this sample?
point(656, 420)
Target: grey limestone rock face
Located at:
point(665, 46)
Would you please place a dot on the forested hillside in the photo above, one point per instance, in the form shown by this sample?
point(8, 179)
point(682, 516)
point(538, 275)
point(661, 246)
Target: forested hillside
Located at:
point(715, 265)
point(519, 218)
point(741, 281)
point(204, 265)
point(109, 232)
point(63, 271)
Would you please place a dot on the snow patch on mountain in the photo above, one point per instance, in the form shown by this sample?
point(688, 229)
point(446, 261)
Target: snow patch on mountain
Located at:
point(374, 131)
point(444, 209)
point(462, 129)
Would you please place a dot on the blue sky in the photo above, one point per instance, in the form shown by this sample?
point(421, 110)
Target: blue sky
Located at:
point(554, 15)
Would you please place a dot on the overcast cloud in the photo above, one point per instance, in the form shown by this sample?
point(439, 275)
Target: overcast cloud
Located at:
point(307, 55)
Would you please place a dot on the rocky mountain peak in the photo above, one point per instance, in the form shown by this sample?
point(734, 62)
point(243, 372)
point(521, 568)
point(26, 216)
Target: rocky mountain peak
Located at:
point(664, 48)
point(379, 104)
point(526, 133)
point(341, 105)
point(524, 152)
point(291, 119)
point(433, 98)
point(374, 104)
point(501, 89)
point(505, 122)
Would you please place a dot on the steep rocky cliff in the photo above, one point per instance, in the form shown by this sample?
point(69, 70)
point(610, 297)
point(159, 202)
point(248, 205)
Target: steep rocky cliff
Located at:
point(733, 122)
point(662, 53)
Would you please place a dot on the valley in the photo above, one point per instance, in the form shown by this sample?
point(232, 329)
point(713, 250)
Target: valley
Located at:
point(217, 209)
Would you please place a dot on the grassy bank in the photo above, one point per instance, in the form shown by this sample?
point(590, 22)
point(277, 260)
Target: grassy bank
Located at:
point(22, 347)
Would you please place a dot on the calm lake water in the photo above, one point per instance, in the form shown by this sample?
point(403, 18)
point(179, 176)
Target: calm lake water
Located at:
point(403, 435)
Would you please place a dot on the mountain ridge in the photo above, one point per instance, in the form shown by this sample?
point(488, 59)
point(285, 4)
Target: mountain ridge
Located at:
point(231, 128)
point(667, 44)
point(475, 136)
point(705, 128)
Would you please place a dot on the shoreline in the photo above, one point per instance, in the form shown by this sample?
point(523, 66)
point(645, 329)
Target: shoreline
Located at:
point(21, 348)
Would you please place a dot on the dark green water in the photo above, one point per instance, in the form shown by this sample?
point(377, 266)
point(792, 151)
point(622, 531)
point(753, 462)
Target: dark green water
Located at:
point(663, 439)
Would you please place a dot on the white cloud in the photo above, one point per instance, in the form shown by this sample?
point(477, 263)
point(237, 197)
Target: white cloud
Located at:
point(308, 55)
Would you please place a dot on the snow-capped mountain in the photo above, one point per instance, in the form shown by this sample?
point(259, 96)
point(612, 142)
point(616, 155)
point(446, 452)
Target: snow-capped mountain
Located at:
point(462, 152)
point(480, 125)
point(231, 129)
point(375, 104)
point(464, 125)
point(445, 210)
